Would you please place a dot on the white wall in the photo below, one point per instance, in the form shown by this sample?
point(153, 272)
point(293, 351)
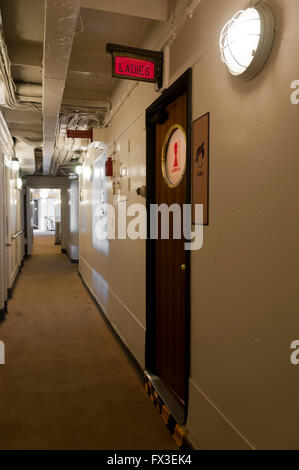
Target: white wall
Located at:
point(68, 212)
point(244, 292)
point(29, 221)
point(3, 274)
point(11, 247)
point(73, 239)
point(14, 225)
point(62, 183)
point(244, 281)
point(47, 209)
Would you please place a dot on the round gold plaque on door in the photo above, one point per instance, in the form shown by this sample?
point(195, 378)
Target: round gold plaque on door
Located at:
point(174, 156)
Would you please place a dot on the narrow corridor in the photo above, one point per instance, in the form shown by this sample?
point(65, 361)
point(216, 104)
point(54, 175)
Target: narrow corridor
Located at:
point(66, 383)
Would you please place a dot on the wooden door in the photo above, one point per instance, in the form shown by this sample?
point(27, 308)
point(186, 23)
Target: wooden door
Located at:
point(170, 268)
point(169, 263)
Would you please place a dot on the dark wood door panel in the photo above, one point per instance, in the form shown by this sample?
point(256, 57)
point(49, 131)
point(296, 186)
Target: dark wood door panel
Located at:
point(170, 311)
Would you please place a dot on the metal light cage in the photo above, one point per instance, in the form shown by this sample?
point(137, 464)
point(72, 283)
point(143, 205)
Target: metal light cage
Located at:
point(262, 39)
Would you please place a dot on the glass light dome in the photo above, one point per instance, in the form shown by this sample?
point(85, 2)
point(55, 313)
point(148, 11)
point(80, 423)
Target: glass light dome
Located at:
point(246, 40)
point(19, 183)
point(87, 172)
point(15, 164)
point(79, 168)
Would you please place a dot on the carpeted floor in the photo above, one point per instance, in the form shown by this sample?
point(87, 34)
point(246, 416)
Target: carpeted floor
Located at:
point(66, 383)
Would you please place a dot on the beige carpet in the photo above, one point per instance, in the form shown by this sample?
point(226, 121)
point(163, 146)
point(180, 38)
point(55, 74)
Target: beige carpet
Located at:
point(66, 383)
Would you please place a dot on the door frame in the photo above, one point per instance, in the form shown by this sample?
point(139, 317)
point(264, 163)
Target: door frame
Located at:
point(180, 86)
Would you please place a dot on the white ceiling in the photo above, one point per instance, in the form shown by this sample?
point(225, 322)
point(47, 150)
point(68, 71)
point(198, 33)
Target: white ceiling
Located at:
point(82, 68)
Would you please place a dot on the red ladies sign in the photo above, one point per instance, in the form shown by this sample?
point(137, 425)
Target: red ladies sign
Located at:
point(136, 64)
point(136, 68)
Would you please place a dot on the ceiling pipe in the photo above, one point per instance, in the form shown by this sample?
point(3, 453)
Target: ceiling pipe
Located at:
point(91, 105)
point(125, 96)
point(60, 27)
point(31, 143)
point(34, 92)
point(166, 43)
point(27, 90)
point(9, 99)
point(179, 24)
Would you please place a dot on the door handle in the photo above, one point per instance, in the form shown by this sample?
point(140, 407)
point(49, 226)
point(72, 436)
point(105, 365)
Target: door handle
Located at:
point(183, 268)
point(17, 235)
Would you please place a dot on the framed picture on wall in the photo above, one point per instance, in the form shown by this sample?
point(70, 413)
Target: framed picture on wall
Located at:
point(200, 166)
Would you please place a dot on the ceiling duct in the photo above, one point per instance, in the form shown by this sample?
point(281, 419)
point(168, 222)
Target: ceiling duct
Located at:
point(9, 98)
point(29, 92)
point(60, 27)
point(38, 153)
point(65, 147)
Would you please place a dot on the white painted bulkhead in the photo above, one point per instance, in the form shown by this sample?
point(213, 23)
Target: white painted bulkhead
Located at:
point(62, 183)
point(73, 238)
point(244, 293)
point(12, 247)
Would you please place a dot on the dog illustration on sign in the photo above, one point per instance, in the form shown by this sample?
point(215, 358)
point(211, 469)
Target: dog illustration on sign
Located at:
point(200, 155)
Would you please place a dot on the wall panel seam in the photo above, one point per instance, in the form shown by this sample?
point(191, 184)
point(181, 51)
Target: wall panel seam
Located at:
point(113, 293)
point(231, 425)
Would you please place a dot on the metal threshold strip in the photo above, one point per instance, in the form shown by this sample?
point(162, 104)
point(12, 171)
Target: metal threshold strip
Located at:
point(171, 402)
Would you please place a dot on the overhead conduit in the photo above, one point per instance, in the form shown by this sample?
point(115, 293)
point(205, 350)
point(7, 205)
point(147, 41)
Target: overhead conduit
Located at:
point(33, 92)
point(60, 27)
point(29, 96)
point(9, 99)
point(29, 92)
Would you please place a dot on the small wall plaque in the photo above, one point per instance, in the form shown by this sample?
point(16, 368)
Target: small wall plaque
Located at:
point(174, 156)
point(200, 166)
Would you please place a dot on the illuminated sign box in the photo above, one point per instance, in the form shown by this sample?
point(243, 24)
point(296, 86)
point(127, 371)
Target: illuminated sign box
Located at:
point(136, 64)
point(79, 134)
